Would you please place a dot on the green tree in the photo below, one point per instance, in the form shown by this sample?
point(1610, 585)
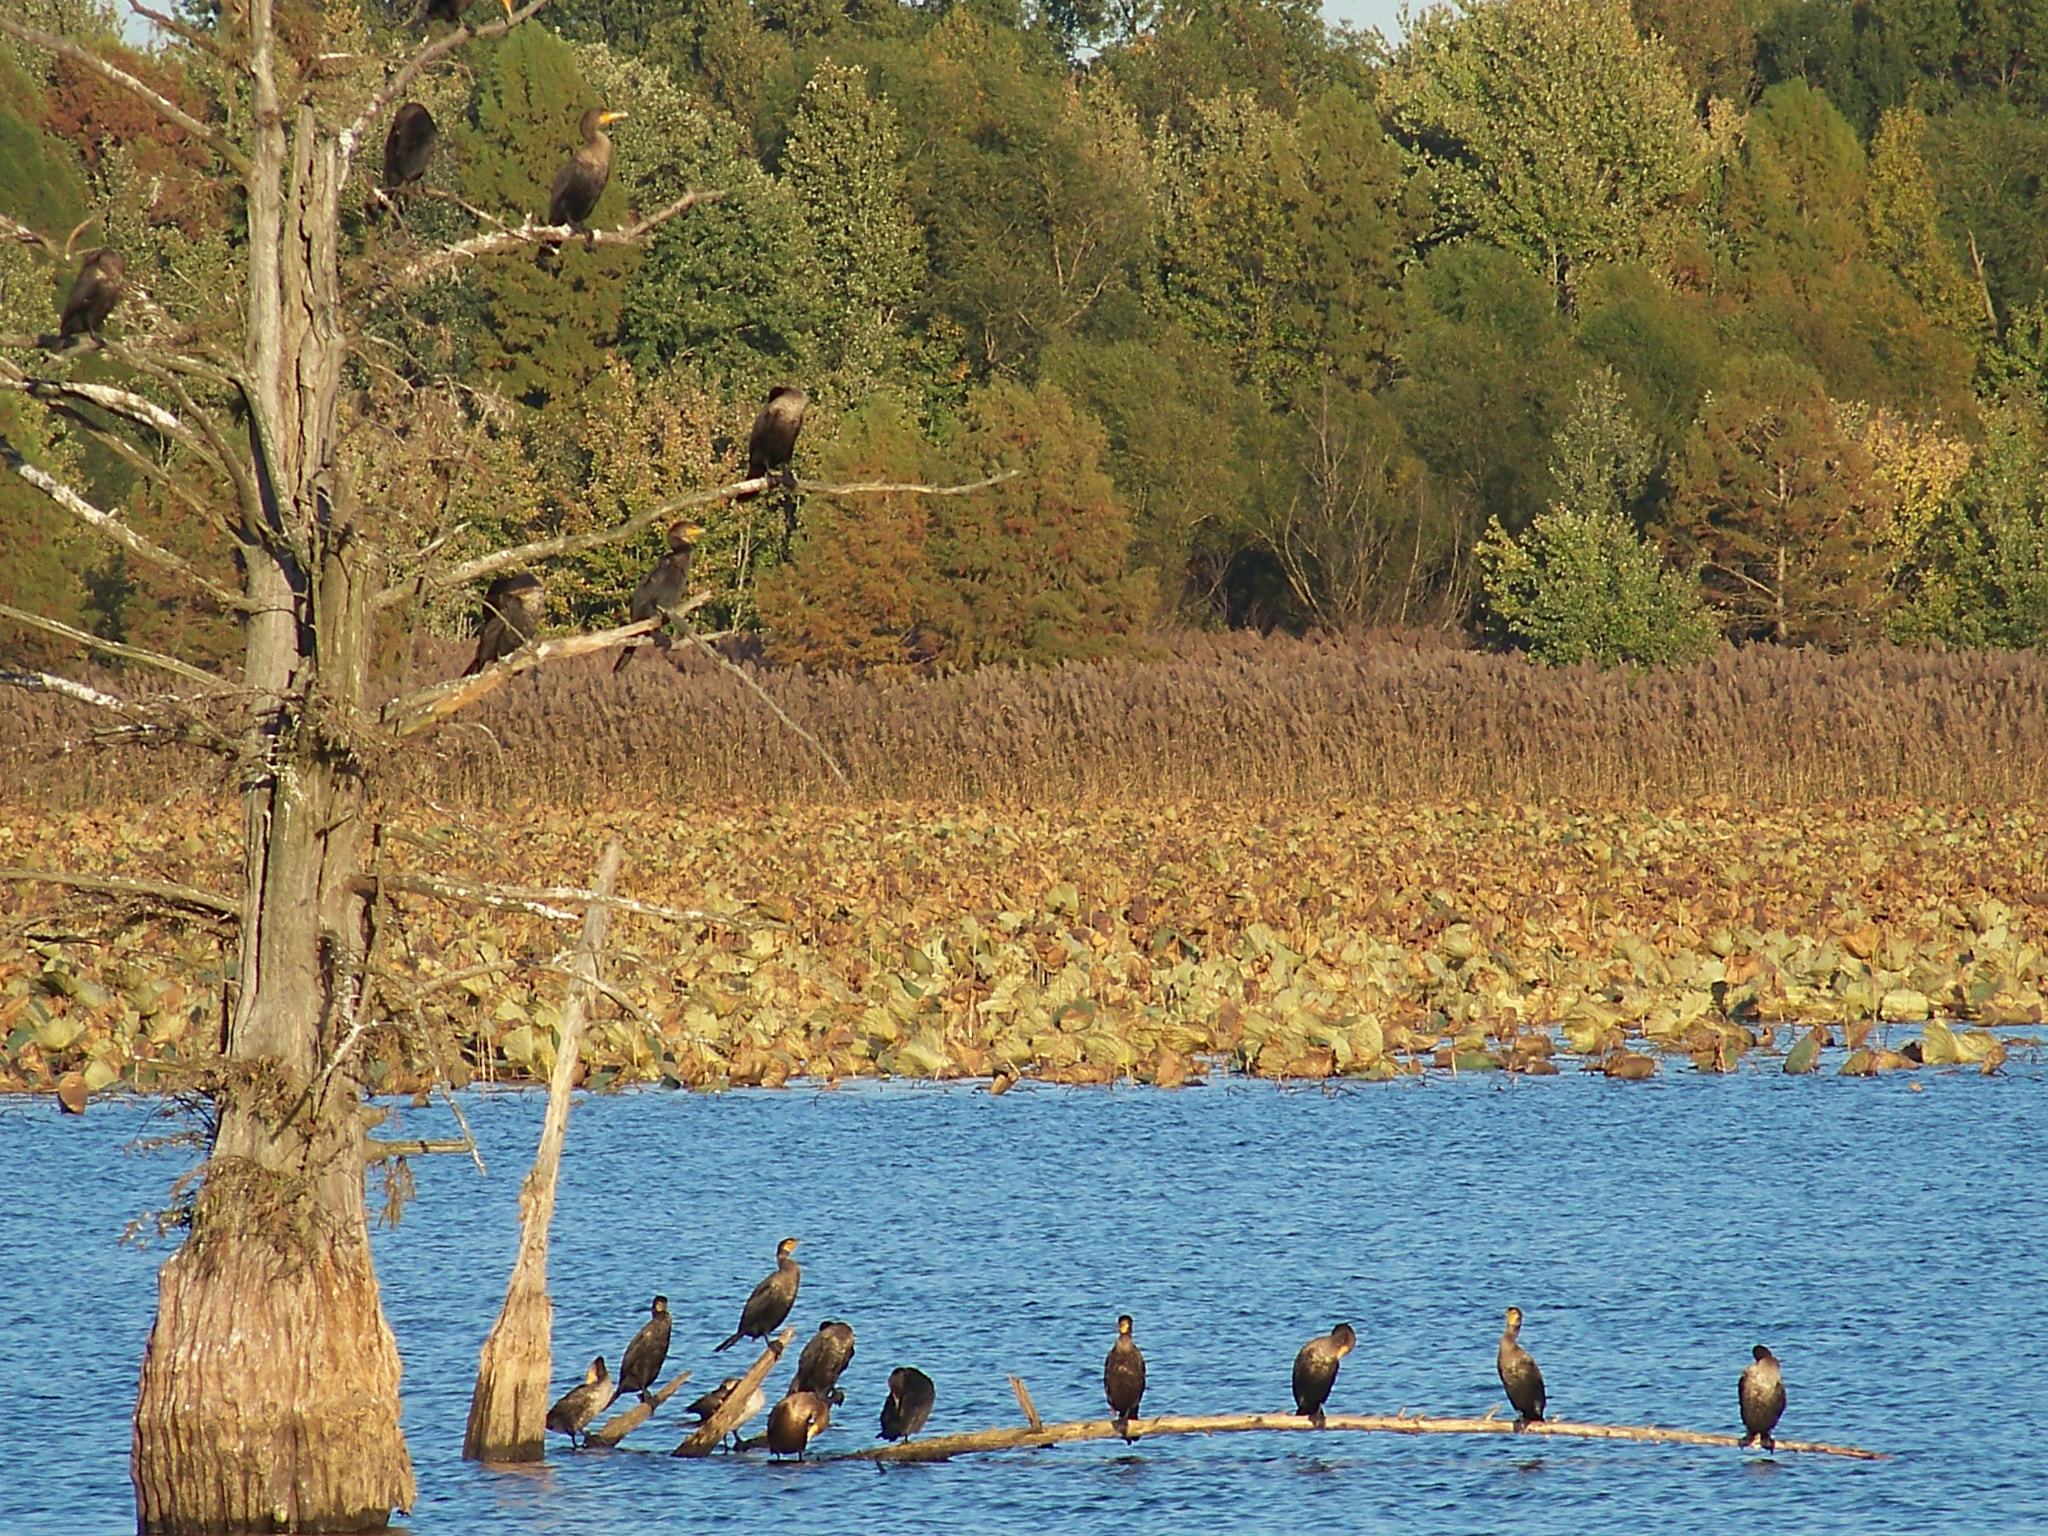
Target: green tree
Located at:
point(1581, 584)
point(1905, 223)
point(1169, 59)
point(842, 163)
point(1780, 512)
point(1712, 40)
point(1550, 127)
point(1985, 158)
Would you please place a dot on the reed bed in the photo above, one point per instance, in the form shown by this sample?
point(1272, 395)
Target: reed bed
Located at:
point(1230, 717)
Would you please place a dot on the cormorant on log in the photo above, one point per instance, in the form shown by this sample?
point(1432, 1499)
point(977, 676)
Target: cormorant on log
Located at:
point(1762, 1394)
point(795, 1421)
point(714, 1400)
point(1519, 1375)
point(408, 148)
point(911, 1395)
point(663, 587)
point(581, 180)
point(512, 613)
point(574, 1410)
point(772, 443)
point(100, 285)
point(644, 1356)
point(453, 12)
point(1123, 1377)
point(772, 1298)
point(1315, 1370)
point(828, 1353)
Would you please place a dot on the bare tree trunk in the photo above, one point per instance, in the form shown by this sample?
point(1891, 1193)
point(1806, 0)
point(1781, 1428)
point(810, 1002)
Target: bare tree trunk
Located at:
point(508, 1409)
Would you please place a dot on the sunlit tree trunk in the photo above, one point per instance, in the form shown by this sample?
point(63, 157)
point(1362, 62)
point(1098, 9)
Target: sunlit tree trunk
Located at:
point(269, 1393)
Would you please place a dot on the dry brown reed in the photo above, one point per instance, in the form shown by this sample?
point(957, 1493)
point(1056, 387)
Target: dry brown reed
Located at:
point(1211, 717)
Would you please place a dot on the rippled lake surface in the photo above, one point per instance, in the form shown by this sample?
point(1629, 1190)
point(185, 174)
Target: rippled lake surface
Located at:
point(1890, 1245)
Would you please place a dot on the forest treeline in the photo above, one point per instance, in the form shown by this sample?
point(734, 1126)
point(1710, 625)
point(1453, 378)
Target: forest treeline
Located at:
point(1603, 330)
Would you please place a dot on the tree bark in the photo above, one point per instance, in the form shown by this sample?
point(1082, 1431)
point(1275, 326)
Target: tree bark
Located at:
point(508, 1408)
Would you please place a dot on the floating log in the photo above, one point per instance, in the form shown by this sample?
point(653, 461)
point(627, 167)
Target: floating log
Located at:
point(705, 1437)
point(377, 1150)
point(622, 1424)
point(1025, 1437)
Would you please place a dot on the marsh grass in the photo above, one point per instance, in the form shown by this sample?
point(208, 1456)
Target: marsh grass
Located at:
point(1229, 717)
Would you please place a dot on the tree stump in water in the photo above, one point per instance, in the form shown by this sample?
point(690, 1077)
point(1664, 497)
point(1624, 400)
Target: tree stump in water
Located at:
point(509, 1408)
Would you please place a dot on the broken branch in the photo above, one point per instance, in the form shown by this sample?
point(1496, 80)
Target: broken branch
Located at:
point(415, 711)
point(705, 1437)
point(114, 648)
point(623, 1423)
point(156, 890)
point(530, 233)
point(535, 898)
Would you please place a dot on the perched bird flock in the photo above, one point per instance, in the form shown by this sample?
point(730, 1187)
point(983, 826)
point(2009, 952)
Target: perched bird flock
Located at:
point(805, 1408)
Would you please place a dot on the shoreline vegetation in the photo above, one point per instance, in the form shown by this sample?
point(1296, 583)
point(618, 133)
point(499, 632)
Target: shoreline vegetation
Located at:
point(1069, 918)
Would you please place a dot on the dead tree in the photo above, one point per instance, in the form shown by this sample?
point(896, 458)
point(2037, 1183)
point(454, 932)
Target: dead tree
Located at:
point(269, 1388)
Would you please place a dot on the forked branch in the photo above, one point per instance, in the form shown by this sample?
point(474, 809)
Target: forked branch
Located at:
point(415, 711)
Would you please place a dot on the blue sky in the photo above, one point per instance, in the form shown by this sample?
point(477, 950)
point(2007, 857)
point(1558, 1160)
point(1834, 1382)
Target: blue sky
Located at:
point(1366, 13)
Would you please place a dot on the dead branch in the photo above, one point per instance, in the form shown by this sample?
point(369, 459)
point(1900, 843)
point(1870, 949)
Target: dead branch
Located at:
point(509, 1403)
point(415, 711)
point(14, 229)
point(192, 35)
point(376, 1150)
point(156, 890)
point(705, 1437)
point(112, 527)
point(529, 233)
point(576, 543)
point(535, 898)
point(169, 110)
point(623, 1423)
point(944, 1447)
point(748, 678)
point(426, 54)
point(1024, 1402)
point(63, 687)
point(136, 653)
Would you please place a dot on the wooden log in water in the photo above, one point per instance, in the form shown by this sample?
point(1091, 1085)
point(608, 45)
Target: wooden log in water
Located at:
point(705, 1437)
point(1025, 1437)
point(622, 1424)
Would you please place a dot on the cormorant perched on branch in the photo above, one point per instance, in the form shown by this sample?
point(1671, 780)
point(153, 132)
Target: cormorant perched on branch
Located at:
point(512, 611)
point(772, 443)
point(1123, 1377)
point(772, 1298)
point(574, 1410)
point(451, 11)
point(712, 1401)
point(644, 1356)
point(1315, 1370)
point(795, 1421)
point(911, 1395)
point(828, 1353)
point(1762, 1394)
point(581, 180)
point(1519, 1375)
point(665, 586)
point(408, 147)
point(99, 286)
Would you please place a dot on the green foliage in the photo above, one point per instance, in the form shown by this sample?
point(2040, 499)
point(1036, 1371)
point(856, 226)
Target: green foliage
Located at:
point(1551, 127)
point(1905, 223)
point(1581, 584)
point(1986, 159)
point(843, 166)
point(1781, 513)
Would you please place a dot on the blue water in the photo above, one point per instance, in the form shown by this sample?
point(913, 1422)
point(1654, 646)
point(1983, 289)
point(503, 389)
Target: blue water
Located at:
point(1887, 1243)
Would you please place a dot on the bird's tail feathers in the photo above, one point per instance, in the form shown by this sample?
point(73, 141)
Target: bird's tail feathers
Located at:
point(728, 1344)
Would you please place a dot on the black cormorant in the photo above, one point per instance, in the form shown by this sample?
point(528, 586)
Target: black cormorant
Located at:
point(1123, 1377)
point(581, 180)
point(644, 1356)
point(1519, 1375)
point(911, 1395)
point(794, 1421)
point(772, 443)
point(665, 586)
point(512, 613)
point(1762, 1395)
point(99, 286)
point(772, 1298)
point(712, 1401)
point(828, 1353)
point(574, 1410)
point(408, 147)
point(1315, 1370)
